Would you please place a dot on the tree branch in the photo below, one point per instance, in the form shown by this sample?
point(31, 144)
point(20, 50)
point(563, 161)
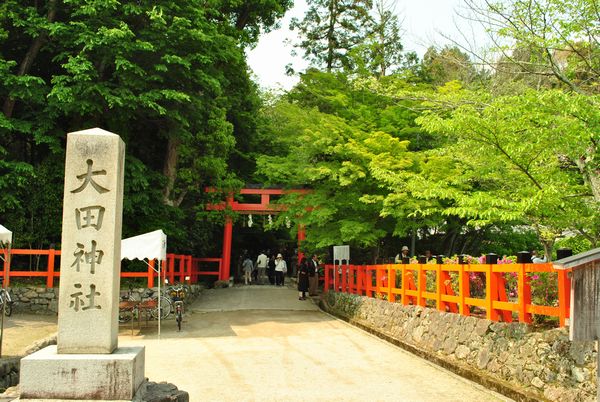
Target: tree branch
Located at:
point(32, 53)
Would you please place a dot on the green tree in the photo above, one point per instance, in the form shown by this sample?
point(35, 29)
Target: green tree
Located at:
point(380, 54)
point(448, 64)
point(386, 48)
point(514, 160)
point(170, 77)
point(334, 137)
point(330, 29)
point(545, 38)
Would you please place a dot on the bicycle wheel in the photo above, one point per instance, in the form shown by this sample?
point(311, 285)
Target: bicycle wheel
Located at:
point(124, 316)
point(9, 304)
point(179, 319)
point(5, 303)
point(165, 308)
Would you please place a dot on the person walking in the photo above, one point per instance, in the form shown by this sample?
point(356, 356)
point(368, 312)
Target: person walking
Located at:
point(271, 269)
point(248, 268)
point(280, 270)
point(313, 275)
point(302, 279)
point(261, 266)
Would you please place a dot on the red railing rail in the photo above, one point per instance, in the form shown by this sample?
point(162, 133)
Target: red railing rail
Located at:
point(407, 284)
point(176, 268)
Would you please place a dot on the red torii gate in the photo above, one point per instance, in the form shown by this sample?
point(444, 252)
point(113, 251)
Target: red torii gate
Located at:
point(262, 208)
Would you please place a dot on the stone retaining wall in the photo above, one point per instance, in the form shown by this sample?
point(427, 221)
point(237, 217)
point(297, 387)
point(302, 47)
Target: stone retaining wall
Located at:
point(9, 372)
point(509, 358)
point(40, 300)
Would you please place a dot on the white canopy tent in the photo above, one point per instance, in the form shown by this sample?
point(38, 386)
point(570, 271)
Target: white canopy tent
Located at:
point(5, 242)
point(5, 235)
point(147, 246)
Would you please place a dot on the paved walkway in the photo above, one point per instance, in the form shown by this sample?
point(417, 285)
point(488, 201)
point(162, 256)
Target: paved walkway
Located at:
point(262, 343)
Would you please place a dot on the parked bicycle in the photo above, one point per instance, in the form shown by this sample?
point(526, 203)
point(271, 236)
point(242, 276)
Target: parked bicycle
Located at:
point(6, 301)
point(131, 305)
point(131, 302)
point(178, 293)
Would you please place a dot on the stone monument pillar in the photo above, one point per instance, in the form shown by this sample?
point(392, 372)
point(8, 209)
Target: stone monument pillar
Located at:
point(86, 363)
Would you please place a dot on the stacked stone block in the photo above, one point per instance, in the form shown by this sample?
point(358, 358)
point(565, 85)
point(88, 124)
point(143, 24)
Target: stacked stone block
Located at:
point(540, 364)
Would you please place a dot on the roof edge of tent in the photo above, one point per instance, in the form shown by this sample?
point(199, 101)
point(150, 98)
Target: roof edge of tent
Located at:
point(151, 245)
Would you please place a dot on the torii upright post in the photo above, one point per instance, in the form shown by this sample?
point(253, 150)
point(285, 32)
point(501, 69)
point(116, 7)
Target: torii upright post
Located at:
point(227, 235)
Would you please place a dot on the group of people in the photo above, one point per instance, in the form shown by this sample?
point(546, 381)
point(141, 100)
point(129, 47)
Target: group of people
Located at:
point(273, 269)
point(404, 255)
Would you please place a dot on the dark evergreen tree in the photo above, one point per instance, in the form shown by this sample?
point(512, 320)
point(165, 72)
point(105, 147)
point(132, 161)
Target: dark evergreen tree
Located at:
point(330, 29)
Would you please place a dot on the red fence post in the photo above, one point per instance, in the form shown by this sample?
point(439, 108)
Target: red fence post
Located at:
point(151, 265)
point(463, 290)
point(6, 269)
point(404, 284)
point(50, 273)
point(422, 286)
point(194, 270)
point(171, 268)
point(182, 268)
point(491, 293)
point(391, 283)
point(524, 294)
point(564, 297)
point(189, 269)
point(439, 304)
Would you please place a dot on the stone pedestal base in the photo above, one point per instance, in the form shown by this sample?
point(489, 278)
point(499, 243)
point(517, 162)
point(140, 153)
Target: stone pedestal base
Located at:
point(48, 375)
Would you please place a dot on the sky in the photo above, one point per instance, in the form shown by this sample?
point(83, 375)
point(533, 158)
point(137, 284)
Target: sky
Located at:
point(423, 22)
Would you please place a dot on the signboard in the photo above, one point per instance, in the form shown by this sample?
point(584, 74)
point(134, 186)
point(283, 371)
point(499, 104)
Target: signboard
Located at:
point(341, 253)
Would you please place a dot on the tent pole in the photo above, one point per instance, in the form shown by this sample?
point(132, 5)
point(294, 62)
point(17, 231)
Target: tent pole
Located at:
point(159, 280)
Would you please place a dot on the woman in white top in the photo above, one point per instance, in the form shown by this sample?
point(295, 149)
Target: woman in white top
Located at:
point(280, 270)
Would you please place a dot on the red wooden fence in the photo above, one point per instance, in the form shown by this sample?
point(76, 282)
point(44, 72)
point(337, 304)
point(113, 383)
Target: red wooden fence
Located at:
point(176, 268)
point(381, 281)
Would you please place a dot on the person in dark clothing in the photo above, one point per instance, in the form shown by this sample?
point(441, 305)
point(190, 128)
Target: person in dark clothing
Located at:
point(271, 269)
point(313, 275)
point(302, 279)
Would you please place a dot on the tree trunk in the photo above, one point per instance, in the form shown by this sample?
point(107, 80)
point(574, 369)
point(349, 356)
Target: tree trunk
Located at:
point(331, 43)
point(591, 176)
point(376, 250)
point(170, 169)
point(9, 103)
point(242, 19)
point(548, 244)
